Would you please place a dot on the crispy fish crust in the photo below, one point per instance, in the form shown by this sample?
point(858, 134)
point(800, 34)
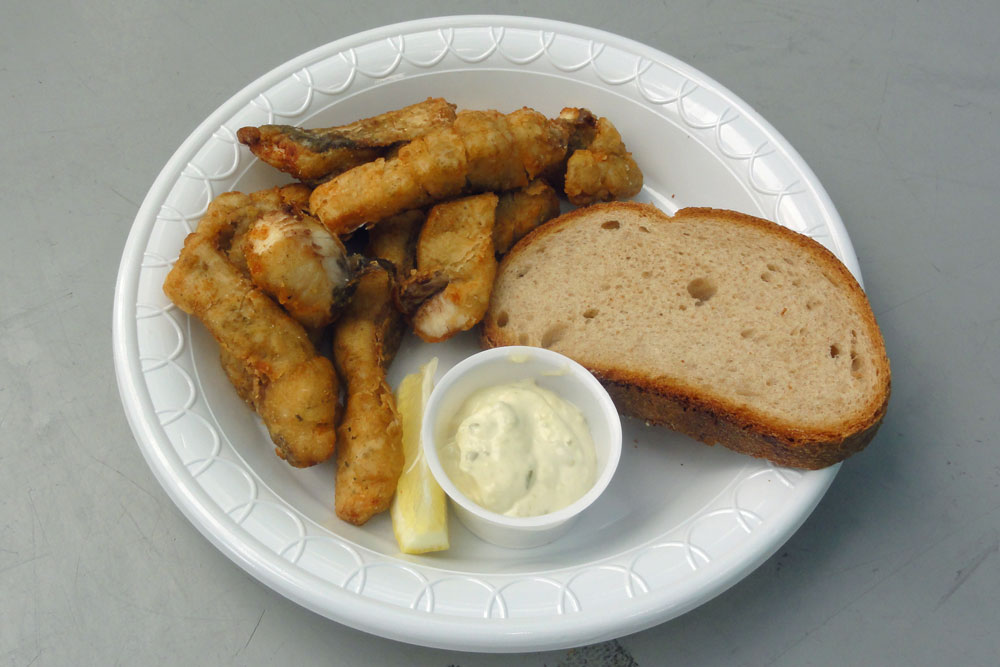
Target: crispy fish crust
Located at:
point(520, 211)
point(482, 150)
point(244, 212)
point(317, 154)
point(395, 240)
point(298, 262)
point(450, 289)
point(599, 168)
point(266, 353)
point(370, 450)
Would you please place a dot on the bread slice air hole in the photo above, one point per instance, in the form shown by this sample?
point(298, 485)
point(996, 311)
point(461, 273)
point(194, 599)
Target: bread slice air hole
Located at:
point(643, 228)
point(766, 276)
point(502, 319)
point(834, 351)
point(554, 334)
point(856, 363)
point(702, 289)
point(747, 333)
point(590, 313)
point(610, 224)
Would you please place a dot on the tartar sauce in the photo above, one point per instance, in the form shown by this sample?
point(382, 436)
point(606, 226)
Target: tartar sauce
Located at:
point(520, 450)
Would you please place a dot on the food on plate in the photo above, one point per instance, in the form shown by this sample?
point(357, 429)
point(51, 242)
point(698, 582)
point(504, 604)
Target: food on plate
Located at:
point(369, 452)
point(449, 290)
point(268, 272)
point(419, 510)
point(299, 263)
point(520, 211)
point(599, 167)
point(480, 151)
point(313, 155)
point(720, 325)
point(365, 337)
point(394, 241)
point(266, 353)
point(520, 450)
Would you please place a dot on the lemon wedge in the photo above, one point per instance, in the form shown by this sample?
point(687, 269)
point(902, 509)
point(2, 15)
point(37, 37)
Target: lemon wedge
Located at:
point(419, 508)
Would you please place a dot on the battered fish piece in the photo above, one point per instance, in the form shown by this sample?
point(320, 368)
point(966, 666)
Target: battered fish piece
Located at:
point(370, 450)
point(520, 211)
point(482, 150)
point(599, 168)
point(295, 260)
point(266, 353)
point(247, 209)
point(316, 155)
point(450, 289)
point(394, 240)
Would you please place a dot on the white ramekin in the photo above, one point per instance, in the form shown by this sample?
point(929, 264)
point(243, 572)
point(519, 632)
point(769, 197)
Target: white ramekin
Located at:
point(549, 370)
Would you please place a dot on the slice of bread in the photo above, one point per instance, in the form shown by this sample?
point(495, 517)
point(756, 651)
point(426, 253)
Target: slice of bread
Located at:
point(720, 325)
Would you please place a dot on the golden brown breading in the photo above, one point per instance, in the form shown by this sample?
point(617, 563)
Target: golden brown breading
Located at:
point(394, 240)
point(450, 289)
point(298, 262)
point(543, 144)
point(315, 155)
point(370, 450)
point(265, 352)
point(600, 168)
point(365, 338)
point(247, 209)
point(520, 211)
point(483, 150)
point(492, 158)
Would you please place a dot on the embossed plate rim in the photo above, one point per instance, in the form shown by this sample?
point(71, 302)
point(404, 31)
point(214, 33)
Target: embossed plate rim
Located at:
point(379, 617)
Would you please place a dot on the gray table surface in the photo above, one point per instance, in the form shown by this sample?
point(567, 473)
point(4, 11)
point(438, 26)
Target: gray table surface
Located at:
point(895, 105)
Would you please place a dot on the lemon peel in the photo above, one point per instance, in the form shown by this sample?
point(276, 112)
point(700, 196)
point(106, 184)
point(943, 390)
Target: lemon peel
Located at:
point(419, 509)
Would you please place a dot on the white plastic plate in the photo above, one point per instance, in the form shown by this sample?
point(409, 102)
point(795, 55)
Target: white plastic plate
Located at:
point(680, 523)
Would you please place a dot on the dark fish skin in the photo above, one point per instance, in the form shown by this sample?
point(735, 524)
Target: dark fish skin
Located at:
point(316, 155)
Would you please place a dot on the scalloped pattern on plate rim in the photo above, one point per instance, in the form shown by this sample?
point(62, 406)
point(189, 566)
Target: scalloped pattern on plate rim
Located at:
point(352, 584)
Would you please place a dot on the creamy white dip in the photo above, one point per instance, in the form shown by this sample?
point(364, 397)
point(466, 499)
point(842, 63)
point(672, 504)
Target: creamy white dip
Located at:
point(520, 450)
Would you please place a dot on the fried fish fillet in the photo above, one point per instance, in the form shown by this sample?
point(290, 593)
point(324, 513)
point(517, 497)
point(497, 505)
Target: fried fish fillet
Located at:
point(480, 151)
point(599, 167)
point(244, 210)
point(266, 353)
point(394, 240)
point(449, 290)
point(315, 155)
point(298, 262)
point(370, 450)
point(520, 211)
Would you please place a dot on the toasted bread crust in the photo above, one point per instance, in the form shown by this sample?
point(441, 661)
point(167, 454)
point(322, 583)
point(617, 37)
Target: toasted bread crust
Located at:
point(709, 416)
point(707, 421)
